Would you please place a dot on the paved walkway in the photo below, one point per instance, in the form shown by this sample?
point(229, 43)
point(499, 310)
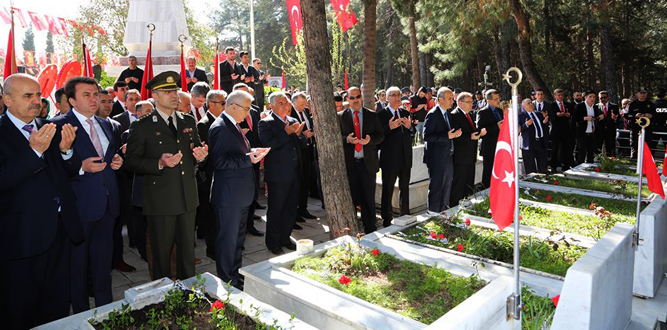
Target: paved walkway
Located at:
point(255, 250)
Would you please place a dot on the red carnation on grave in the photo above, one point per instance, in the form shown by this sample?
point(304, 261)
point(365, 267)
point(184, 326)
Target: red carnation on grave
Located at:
point(613, 159)
point(375, 252)
point(344, 280)
point(460, 247)
point(434, 235)
point(217, 305)
point(556, 182)
point(549, 198)
point(597, 169)
point(467, 221)
point(555, 300)
point(441, 236)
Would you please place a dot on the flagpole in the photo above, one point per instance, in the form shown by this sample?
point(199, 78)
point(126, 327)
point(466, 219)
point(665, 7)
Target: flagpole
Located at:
point(13, 64)
point(514, 301)
point(643, 123)
point(252, 31)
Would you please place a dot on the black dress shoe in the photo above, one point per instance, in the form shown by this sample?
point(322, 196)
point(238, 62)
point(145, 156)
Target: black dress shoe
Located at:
point(259, 206)
point(307, 215)
point(290, 246)
point(300, 219)
point(123, 267)
point(277, 251)
point(254, 232)
point(256, 217)
point(297, 227)
point(386, 223)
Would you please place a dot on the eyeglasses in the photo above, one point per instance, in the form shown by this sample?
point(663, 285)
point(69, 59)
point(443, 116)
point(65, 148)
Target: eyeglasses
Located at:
point(603, 97)
point(465, 101)
point(247, 109)
point(353, 97)
point(218, 102)
point(394, 95)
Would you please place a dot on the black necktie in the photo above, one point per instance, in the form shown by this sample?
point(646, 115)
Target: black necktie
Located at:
point(537, 126)
point(172, 127)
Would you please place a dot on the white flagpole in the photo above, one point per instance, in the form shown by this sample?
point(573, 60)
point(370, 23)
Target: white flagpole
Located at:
point(252, 31)
point(643, 122)
point(514, 301)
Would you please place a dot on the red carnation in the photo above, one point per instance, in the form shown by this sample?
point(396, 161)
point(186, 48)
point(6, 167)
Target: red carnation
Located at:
point(344, 280)
point(549, 198)
point(613, 159)
point(556, 182)
point(441, 236)
point(555, 300)
point(460, 247)
point(217, 305)
point(375, 252)
point(597, 169)
point(434, 235)
point(467, 221)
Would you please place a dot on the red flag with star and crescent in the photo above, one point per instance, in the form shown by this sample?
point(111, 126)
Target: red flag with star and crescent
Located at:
point(502, 192)
point(651, 171)
point(295, 21)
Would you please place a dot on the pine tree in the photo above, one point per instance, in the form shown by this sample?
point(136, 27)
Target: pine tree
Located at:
point(49, 42)
point(29, 39)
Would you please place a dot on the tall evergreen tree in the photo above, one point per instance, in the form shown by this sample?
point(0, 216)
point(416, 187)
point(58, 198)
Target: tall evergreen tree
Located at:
point(29, 39)
point(49, 43)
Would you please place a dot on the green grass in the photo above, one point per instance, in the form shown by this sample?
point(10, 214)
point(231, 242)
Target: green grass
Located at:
point(423, 293)
point(621, 187)
point(614, 206)
point(537, 311)
point(554, 258)
point(620, 170)
point(586, 225)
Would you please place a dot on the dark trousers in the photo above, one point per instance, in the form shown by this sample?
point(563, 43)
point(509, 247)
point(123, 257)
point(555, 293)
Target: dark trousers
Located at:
point(206, 221)
point(229, 241)
point(362, 188)
point(439, 188)
point(306, 172)
point(37, 289)
point(388, 181)
point(281, 211)
point(487, 160)
point(165, 230)
point(96, 252)
point(141, 228)
point(463, 182)
point(561, 148)
point(586, 148)
point(608, 138)
point(535, 160)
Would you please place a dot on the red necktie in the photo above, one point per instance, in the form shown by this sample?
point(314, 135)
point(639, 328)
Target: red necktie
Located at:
point(470, 121)
point(357, 131)
point(562, 109)
point(249, 121)
point(605, 110)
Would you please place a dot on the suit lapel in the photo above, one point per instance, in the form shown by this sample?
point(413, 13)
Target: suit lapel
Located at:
point(13, 134)
point(106, 128)
point(235, 131)
point(81, 133)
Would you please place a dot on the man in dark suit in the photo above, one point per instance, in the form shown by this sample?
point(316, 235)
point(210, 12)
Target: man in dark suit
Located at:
point(362, 133)
point(165, 148)
point(606, 132)
point(561, 135)
point(129, 115)
point(216, 101)
point(586, 116)
point(381, 103)
point(465, 148)
point(193, 73)
point(230, 72)
point(260, 82)
point(439, 135)
point(302, 115)
point(38, 207)
point(234, 184)
point(282, 171)
point(534, 138)
point(96, 191)
point(395, 154)
point(490, 118)
point(120, 87)
point(247, 71)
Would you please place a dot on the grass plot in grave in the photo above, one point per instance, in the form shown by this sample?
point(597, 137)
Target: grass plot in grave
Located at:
point(619, 187)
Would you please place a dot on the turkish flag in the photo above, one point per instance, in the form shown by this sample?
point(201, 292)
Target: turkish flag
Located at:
point(651, 171)
point(37, 21)
point(216, 73)
point(184, 77)
point(10, 58)
point(87, 63)
point(296, 23)
point(346, 83)
point(148, 73)
point(53, 25)
point(502, 192)
point(346, 20)
point(63, 26)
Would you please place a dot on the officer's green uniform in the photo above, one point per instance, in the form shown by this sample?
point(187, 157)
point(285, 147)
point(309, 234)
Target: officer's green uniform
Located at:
point(170, 194)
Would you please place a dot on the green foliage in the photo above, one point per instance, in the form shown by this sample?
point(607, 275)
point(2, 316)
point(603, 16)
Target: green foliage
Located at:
point(29, 39)
point(537, 311)
point(628, 208)
point(106, 81)
point(49, 43)
point(421, 292)
point(551, 257)
point(621, 187)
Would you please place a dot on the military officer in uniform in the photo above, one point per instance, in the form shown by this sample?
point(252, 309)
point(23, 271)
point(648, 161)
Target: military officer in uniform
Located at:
point(165, 148)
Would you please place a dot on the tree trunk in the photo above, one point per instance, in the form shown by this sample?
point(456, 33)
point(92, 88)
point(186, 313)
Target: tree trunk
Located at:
point(430, 79)
point(525, 51)
point(607, 55)
point(422, 70)
point(414, 53)
point(370, 50)
point(335, 186)
point(590, 60)
point(501, 56)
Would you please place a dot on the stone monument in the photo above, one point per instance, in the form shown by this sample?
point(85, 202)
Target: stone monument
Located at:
point(168, 16)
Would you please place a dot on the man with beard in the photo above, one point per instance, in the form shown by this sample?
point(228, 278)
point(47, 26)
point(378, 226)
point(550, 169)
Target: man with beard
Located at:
point(230, 72)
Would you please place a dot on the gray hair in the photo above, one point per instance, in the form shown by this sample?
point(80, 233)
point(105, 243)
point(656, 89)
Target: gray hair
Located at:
point(182, 93)
point(490, 93)
point(442, 91)
point(298, 95)
point(393, 89)
point(239, 85)
point(215, 92)
point(236, 97)
point(274, 96)
point(191, 58)
point(200, 89)
point(463, 95)
point(140, 104)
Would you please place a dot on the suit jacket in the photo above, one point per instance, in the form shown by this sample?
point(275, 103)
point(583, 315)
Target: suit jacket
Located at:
point(487, 119)
point(528, 134)
point(94, 191)
point(117, 109)
point(607, 123)
point(370, 126)
point(465, 148)
point(149, 138)
point(560, 124)
point(199, 74)
point(578, 118)
point(30, 190)
point(250, 72)
point(253, 134)
point(379, 106)
point(285, 154)
point(310, 143)
point(234, 177)
point(437, 145)
point(124, 120)
point(396, 149)
point(205, 169)
point(226, 71)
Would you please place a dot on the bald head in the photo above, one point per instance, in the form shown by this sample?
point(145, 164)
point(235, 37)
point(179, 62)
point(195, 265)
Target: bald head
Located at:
point(23, 96)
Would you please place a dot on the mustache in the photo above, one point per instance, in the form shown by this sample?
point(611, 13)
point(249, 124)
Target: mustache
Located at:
point(35, 107)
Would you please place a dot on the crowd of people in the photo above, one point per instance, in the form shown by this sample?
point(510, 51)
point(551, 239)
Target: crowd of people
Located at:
point(192, 164)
